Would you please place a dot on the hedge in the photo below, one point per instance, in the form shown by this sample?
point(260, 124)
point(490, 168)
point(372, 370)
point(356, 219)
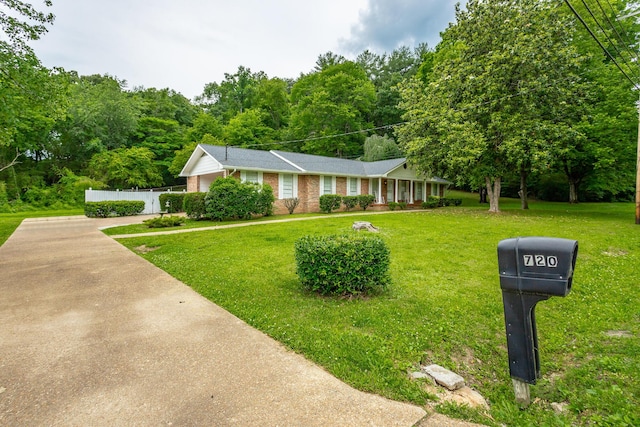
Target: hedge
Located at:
point(349, 202)
point(330, 202)
point(365, 200)
point(163, 222)
point(435, 201)
point(109, 208)
point(176, 201)
point(342, 264)
point(194, 205)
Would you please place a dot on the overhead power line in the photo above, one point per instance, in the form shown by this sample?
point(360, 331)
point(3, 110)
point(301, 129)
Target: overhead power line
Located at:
point(604, 49)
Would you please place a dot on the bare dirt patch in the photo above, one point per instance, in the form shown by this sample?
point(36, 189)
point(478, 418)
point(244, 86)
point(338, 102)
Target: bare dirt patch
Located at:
point(145, 249)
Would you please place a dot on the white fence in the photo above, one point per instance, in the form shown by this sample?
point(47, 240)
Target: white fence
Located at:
point(150, 198)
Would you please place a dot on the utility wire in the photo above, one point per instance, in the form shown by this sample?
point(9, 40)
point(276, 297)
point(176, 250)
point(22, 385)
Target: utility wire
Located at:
point(622, 35)
point(632, 69)
point(586, 26)
point(519, 93)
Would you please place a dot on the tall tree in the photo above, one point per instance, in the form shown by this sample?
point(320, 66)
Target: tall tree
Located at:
point(273, 99)
point(163, 137)
point(166, 104)
point(27, 91)
point(248, 129)
point(233, 95)
point(501, 74)
point(329, 108)
point(126, 168)
point(328, 59)
point(394, 68)
point(101, 116)
point(599, 161)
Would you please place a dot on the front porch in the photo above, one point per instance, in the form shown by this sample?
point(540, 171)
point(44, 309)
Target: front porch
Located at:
point(411, 192)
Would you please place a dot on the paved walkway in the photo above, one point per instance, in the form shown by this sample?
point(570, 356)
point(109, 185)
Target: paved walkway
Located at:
point(91, 335)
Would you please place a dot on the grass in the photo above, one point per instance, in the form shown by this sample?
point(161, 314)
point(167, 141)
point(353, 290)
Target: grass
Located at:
point(444, 305)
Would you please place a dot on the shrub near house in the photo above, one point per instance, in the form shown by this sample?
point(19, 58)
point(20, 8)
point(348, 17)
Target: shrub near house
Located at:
point(229, 198)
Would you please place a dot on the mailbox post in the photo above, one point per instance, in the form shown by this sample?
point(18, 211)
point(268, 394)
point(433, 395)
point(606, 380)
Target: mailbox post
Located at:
point(532, 269)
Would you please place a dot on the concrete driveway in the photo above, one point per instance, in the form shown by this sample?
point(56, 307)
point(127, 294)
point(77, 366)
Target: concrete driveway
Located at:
point(92, 335)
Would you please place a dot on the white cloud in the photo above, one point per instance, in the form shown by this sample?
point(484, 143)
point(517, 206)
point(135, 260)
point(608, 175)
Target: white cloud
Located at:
point(184, 45)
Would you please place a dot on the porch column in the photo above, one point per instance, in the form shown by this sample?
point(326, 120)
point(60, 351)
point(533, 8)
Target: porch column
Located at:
point(411, 192)
point(395, 196)
point(380, 190)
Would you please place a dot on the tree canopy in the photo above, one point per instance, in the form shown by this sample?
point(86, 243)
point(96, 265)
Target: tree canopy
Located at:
point(516, 98)
point(505, 93)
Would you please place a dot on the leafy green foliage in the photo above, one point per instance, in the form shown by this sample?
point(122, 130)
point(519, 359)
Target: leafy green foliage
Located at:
point(349, 202)
point(164, 222)
point(194, 205)
point(342, 265)
point(228, 198)
point(113, 208)
point(488, 107)
point(247, 129)
point(330, 202)
point(334, 101)
point(172, 202)
point(366, 200)
point(265, 199)
point(430, 204)
point(235, 94)
point(126, 168)
point(378, 147)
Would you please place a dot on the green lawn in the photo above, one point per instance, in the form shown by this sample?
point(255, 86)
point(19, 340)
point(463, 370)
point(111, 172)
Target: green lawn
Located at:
point(444, 305)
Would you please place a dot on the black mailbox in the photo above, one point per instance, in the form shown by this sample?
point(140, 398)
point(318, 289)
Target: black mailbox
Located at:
point(531, 269)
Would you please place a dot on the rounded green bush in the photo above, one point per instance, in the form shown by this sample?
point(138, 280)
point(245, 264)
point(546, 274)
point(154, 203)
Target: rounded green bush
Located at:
point(343, 265)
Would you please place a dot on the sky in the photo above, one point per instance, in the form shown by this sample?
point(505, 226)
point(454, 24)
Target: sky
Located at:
point(183, 45)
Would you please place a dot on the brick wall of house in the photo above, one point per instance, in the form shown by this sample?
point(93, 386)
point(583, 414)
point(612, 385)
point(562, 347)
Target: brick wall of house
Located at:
point(309, 193)
point(272, 180)
point(193, 184)
point(364, 186)
point(341, 186)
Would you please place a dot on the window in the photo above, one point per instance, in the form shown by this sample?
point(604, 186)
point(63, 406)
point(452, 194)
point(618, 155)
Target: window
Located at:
point(403, 190)
point(435, 189)
point(327, 185)
point(287, 186)
point(353, 187)
point(419, 194)
point(251, 176)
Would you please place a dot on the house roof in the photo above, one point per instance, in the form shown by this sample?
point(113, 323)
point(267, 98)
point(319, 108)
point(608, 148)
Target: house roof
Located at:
point(287, 162)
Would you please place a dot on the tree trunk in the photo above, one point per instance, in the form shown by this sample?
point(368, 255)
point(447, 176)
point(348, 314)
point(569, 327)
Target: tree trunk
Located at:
point(494, 193)
point(483, 194)
point(523, 189)
point(573, 192)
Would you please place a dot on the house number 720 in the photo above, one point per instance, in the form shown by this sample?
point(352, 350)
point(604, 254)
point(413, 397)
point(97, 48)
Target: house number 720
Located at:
point(540, 261)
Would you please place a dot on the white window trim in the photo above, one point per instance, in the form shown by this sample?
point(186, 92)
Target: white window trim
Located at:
point(281, 185)
point(333, 184)
point(243, 176)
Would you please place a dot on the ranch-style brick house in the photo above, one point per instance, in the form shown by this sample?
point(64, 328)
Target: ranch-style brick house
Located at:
point(307, 177)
